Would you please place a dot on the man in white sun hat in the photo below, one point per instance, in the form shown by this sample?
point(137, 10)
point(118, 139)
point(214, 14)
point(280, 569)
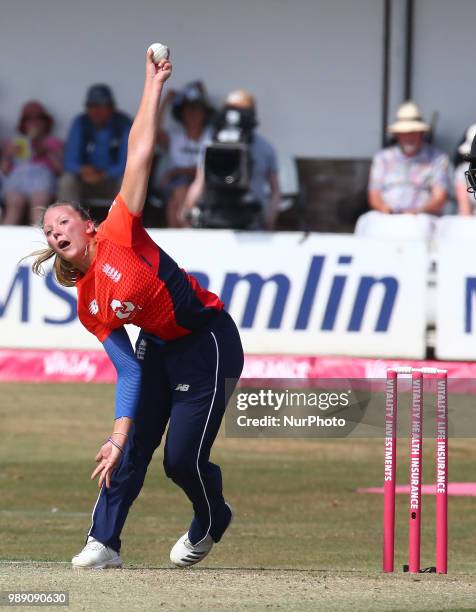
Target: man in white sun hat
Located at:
point(465, 200)
point(412, 176)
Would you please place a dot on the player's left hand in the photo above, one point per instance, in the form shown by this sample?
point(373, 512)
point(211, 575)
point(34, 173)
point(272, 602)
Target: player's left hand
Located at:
point(107, 458)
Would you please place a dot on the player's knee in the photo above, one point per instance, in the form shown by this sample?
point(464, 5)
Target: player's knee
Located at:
point(178, 466)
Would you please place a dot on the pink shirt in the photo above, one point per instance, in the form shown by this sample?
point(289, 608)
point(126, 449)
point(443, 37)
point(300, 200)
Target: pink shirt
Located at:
point(25, 151)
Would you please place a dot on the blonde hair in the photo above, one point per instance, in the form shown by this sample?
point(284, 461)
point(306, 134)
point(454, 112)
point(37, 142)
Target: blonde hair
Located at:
point(66, 274)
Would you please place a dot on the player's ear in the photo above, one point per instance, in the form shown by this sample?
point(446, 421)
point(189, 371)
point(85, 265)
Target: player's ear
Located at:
point(90, 229)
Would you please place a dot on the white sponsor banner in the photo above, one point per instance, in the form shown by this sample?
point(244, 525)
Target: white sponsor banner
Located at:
point(290, 294)
point(456, 301)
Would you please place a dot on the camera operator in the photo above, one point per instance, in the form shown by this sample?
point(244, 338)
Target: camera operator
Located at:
point(236, 184)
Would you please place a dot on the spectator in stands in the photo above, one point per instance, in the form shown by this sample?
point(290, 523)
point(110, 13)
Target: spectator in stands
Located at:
point(411, 176)
point(264, 184)
point(96, 149)
point(30, 163)
point(182, 144)
point(466, 202)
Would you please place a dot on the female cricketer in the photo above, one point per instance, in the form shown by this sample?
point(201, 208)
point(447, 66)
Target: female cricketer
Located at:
point(187, 347)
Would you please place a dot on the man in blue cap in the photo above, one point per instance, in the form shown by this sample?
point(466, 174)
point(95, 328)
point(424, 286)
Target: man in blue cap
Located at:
point(96, 149)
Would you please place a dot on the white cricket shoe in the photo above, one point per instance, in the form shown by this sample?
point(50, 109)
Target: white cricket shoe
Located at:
point(184, 553)
point(96, 555)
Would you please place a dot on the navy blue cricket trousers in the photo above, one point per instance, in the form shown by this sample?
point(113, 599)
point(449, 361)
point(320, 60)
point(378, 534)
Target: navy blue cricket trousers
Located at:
point(183, 384)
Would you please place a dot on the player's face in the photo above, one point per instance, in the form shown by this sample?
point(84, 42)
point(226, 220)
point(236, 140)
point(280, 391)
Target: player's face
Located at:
point(67, 233)
point(410, 143)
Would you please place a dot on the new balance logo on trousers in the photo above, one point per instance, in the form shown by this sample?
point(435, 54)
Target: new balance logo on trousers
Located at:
point(182, 387)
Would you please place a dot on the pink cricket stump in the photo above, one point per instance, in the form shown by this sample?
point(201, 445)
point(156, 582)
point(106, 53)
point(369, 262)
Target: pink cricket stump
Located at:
point(390, 471)
point(442, 474)
point(416, 440)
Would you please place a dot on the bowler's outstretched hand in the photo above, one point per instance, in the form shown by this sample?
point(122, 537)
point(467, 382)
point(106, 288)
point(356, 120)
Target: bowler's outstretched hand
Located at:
point(159, 72)
point(107, 458)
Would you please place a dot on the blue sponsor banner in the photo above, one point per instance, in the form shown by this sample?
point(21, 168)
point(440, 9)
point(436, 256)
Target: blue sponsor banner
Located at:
point(325, 294)
point(456, 301)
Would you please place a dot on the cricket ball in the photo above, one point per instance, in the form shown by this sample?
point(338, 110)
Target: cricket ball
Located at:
point(160, 52)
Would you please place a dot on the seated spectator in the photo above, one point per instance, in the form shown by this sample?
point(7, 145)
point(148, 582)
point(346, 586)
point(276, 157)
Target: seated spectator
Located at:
point(411, 176)
point(263, 190)
point(30, 163)
point(192, 111)
point(466, 202)
point(96, 149)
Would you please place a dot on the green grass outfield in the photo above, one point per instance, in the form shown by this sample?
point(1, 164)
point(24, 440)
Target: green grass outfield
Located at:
point(302, 538)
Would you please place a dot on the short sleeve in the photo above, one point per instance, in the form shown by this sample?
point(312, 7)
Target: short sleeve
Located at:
point(441, 174)
point(120, 225)
point(377, 173)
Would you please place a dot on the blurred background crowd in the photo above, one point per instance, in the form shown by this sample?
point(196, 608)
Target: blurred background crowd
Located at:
point(378, 79)
point(212, 167)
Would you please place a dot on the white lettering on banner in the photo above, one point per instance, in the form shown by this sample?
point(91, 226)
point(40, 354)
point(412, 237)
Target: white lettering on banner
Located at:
point(277, 367)
point(69, 365)
point(376, 369)
point(324, 295)
point(441, 471)
point(414, 483)
point(389, 460)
